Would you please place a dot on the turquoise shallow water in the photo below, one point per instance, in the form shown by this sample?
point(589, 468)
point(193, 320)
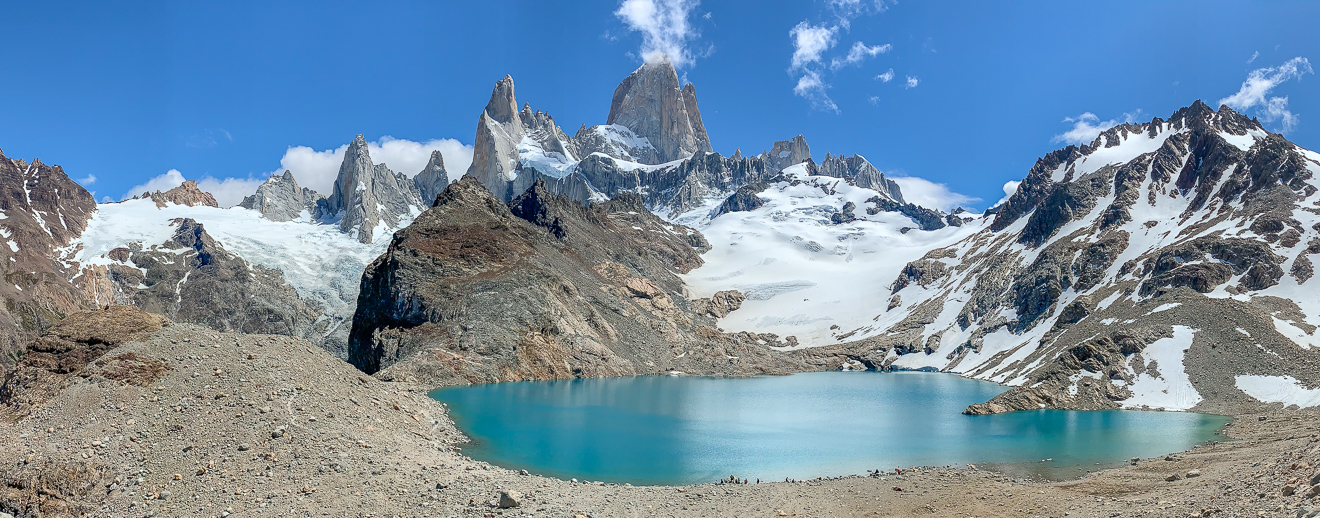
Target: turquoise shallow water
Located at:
point(681, 430)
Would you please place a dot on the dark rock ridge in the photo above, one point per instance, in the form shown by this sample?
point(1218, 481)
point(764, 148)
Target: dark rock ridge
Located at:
point(43, 210)
point(280, 198)
point(479, 291)
point(653, 104)
point(367, 195)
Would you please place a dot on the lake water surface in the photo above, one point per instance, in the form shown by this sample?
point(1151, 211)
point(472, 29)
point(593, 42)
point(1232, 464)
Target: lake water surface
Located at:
point(681, 430)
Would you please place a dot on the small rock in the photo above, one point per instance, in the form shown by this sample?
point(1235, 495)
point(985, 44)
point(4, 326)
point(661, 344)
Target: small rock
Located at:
point(164, 495)
point(244, 447)
point(510, 499)
point(1289, 490)
point(1172, 477)
point(178, 476)
point(1194, 473)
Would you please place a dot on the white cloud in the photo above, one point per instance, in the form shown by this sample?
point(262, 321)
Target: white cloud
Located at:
point(912, 82)
point(318, 169)
point(169, 180)
point(859, 52)
point(810, 87)
point(875, 100)
point(1087, 126)
point(1260, 82)
point(229, 191)
point(1010, 187)
point(809, 42)
point(929, 194)
point(664, 27)
point(887, 76)
point(1253, 57)
point(87, 180)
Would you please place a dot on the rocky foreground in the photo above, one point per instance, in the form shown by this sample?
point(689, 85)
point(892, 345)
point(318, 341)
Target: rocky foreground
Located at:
point(121, 413)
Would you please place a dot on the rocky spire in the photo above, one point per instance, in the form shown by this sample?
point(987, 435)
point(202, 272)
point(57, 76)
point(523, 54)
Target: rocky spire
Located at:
point(280, 198)
point(432, 179)
point(652, 104)
point(368, 194)
point(495, 147)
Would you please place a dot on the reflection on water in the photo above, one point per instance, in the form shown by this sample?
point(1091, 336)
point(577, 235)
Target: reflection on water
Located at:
point(675, 430)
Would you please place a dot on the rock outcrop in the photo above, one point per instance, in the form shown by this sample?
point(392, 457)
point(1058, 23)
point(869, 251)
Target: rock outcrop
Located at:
point(476, 291)
point(280, 198)
point(653, 104)
point(368, 197)
point(186, 193)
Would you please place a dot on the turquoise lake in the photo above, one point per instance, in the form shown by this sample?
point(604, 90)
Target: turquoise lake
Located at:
point(683, 430)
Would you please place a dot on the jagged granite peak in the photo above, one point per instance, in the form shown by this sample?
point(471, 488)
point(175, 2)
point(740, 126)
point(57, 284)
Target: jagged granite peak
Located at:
point(503, 133)
point(432, 179)
point(785, 153)
point(653, 104)
point(856, 170)
point(542, 288)
point(280, 198)
point(368, 197)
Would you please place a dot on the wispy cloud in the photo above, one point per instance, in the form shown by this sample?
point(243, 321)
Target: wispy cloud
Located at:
point(1255, 91)
point(86, 180)
point(811, 43)
point(664, 26)
point(1088, 126)
point(1253, 57)
point(912, 82)
point(858, 53)
point(930, 194)
point(810, 86)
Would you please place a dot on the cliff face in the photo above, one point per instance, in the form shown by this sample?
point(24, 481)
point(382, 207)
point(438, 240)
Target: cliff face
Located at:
point(479, 291)
point(653, 104)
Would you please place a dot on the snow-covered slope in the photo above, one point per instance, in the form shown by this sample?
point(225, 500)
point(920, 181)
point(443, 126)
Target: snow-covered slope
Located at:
point(1147, 269)
point(803, 274)
point(322, 263)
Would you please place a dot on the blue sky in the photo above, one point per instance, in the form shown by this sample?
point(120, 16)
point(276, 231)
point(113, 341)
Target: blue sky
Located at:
point(978, 90)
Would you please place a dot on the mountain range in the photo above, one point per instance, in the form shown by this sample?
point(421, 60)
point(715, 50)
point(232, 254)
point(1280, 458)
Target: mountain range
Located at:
point(1160, 266)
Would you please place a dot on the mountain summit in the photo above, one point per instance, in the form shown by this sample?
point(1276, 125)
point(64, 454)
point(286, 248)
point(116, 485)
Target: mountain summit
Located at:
point(651, 103)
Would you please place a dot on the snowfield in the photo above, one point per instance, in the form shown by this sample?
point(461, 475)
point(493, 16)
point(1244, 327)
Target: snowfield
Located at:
point(801, 273)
